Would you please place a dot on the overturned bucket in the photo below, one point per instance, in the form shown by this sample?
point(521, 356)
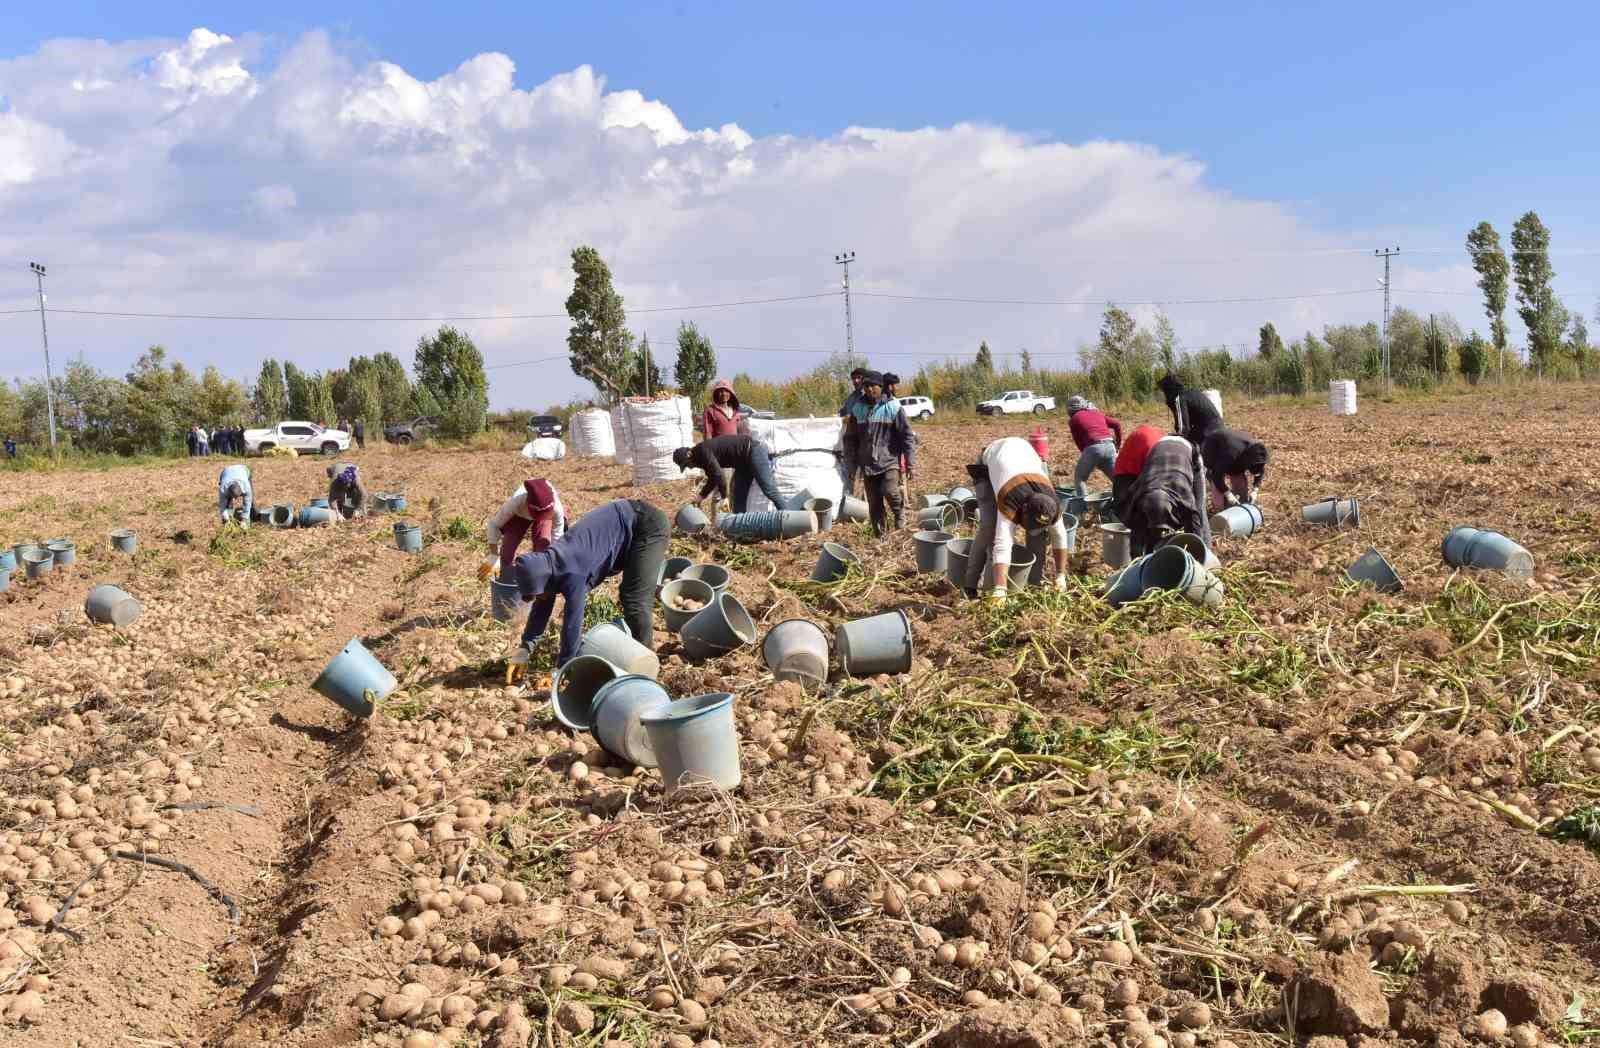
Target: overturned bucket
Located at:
point(319, 504)
point(1116, 544)
point(961, 493)
point(1172, 568)
point(283, 515)
point(691, 520)
point(615, 717)
point(1195, 546)
point(574, 687)
point(1239, 521)
point(1466, 547)
point(956, 552)
point(935, 499)
point(1333, 512)
point(766, 525)
point(718, 628)
point(853, 510)
point(714, 575)
point(833, 562)
point(797, 650)
point(313, 516)
point(930, 546)
point(1375, 568)
point(355, 679)
point(408, 538)
point(614, 644)
point(822, 509)
point(108, 604)
point(505, 600)
point(124, 541)
point(879, 644)
point(943, 517)
point(679, 590)
point(695, 742)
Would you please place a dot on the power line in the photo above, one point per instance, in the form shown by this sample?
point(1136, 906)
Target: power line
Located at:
point(1110, 299)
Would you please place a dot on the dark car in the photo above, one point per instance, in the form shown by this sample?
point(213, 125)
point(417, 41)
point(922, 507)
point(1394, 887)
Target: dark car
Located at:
point(406, 432)
point(544, 426)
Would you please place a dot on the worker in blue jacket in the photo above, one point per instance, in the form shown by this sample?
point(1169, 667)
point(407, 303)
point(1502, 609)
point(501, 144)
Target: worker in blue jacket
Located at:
point(235, 496)
point(627, 537)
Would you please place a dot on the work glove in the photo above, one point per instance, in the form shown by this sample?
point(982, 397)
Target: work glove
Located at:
point(1060, 584)
point(487, 569)
point(997, 596)
point(516, 665)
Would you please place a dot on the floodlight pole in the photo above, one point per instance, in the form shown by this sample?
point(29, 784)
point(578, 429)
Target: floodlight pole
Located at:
point(44, 331)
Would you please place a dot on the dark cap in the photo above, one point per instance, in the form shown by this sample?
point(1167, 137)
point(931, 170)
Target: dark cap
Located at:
point(871, 378)
point(680, 458)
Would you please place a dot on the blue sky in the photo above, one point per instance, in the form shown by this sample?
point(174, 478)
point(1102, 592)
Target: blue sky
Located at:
point(1356, 124)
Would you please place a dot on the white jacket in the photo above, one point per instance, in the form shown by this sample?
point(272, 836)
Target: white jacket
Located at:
point(517, 506)
point(1012, 461)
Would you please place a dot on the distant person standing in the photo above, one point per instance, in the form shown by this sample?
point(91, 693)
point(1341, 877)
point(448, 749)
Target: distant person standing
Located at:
point(1098, 437)
point(850, 435)
point(192, 440)
point(722, 417)
point(11, 447)
point(203, 439)
point(358, 430)
point(885, 446)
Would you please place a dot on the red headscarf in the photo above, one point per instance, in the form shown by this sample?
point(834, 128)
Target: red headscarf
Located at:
point(541, 507)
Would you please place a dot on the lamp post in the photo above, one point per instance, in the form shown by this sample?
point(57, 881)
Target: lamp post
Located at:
point(49, 381)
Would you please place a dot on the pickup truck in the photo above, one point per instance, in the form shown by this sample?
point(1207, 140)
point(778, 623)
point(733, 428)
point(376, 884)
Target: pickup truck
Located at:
point(406, 432)
point(1017, 402)
point(301, 436)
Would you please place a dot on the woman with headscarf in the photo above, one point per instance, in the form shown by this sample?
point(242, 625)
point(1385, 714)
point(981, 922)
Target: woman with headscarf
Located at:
point(1197, 417)
point(1167, 497)
point(535, 509)
point(1236, 464)
point(1013, 490)
point(347, 495)
point(721, 417)
point(1098, 437)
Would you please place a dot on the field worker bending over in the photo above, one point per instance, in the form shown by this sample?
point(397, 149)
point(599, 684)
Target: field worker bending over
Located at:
point(536, 511)
point(886, 450)
point(1236, 464)
point(627, 537)
point(1130, 462)
point(1167, 497)
point(235, 496)
point(746, 456)
point(346, 494)
point(1013, 490)
point(1098, 437)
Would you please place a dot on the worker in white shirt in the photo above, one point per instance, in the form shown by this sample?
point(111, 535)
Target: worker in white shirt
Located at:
point(536, 508)
point(1014, 490)
point(235, 495)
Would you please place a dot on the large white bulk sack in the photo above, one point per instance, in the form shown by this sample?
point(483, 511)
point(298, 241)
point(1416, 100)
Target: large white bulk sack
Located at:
point(657, 428)
point(802, 458)
point(1342, 396)
point(619, 436)
point(545, 449)
point(591, 433)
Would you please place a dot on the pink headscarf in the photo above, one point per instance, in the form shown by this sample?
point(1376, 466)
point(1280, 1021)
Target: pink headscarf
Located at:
point(541, 507)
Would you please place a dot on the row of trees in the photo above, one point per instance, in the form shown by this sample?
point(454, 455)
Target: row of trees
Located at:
point(151, 408)
point(1558, 339)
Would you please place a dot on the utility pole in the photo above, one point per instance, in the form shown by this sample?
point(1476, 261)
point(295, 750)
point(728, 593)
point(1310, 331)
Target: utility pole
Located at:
point(1386, 254)
point(844, 259)
point(49, 393)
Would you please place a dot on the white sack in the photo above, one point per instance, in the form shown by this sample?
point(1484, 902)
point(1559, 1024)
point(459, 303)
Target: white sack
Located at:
point(591, 434)
point(802, 458)
point(545, 449)
point(656, 429)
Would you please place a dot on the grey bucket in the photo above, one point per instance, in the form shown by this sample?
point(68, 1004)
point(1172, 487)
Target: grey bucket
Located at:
point(1195, 547)
point(691, 520)
point(1022, 565)
point(574, 687)
point(718, 628)
point(853, 510)
point(5, 579)
point(1375, 568)
point(1072, 502)
point(313, 516)
point(932, 557)
point(961, 493)
point(942, 517)
point(612, 643)
point(1125, 584)
point(766, 525)
point(822, 509)
point(879, 644)
point(930, 501)
point(696, 742)
point(108, 604)
point(38, 562)
point(505, 600)
point(797, 650)
point(1333, 512)
point(124, 541)
point(672, 567)
point(63, 553)
point(1172, 568)
point(8, 560)
point(1466, 547)
point(956, 553)
point(1069, 521)
point(319, 503)
point(676, 617)
point(615, 717)
point(408, 537)
point(283, 515)
point(1116, 544)
point(395, 501)
point(1239, 521)
point(19, 553)
point(714, 575)
point(833, 562)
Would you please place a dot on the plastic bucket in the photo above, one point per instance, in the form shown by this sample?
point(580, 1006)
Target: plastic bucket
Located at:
point(5, 579)
point(765, 525)
point(1116, 544)
point(8, 560)
point(574, 687)
point(969, 509)
point(672, 567)
point(396, 502)
point(942, 517)
point(691, 520)
point(880, 644)
point(614, 644)
point(1172, 568)
point(833, 562)
point(822, 509)
point(1375, 568)
point(124, 541)
point(961, 493)
point(1070, 522)
point(1333, 512)
point(408, 538)
point(930, 547)
point(956, 552)
point(1195, 547)
point(718, 628)
point(112, 605)
point(1125, 584)
point(714, 575)
point(38, 562)
point(852, 509)
point(930, 501)
point(1021, 567)
point(63, 553)
point(797, 650)
point(505, 600)
point(1072, 502)
point(1466, 547)
point(1240, 521)
point(350, 676)
point(615, 714)
point(676, 590)
point(315, 516)
point(695, 742)
point(20, 551)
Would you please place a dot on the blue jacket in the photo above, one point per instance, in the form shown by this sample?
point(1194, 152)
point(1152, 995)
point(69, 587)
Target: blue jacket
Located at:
point(883, 436)
point(240, 475)
point(592, 550)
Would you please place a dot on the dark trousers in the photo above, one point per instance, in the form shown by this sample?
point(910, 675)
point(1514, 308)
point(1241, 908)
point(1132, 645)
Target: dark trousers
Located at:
point(640, 570)
point(758, 470)
point(883, 499)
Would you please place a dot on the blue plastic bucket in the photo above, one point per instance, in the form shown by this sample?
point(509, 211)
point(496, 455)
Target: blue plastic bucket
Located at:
point(1069, 521)
point(615, 715)
point(408, 538)
point(961, 493)
point(37, 562)
point(124, 541)
point(319, 503)
point(355, 680)
point(1172, 568)
point(505, 600)
point(1116, 544)
point(956, 552)
point(314, 516)
point(1466, 547)
point(20, 552)
point(8, 560)
point(932, 556)
point(691, 520)
point(797, 650)
point(695, 742)
point(680, 589)
point(766, 525)
point(879, 644)
point(5, 579)
point(396, 502)
point(573, 688)
point(718, 628)
point(1124, 585)
point(1240, 521)
point(283, 515)
point(1375, 568)
point(1333, 512)
point(1196, 548)
point(614, 644)
point(833, 562)
point(108, 604)
point(1072, 502)
point(64, 553)
point(714, 575)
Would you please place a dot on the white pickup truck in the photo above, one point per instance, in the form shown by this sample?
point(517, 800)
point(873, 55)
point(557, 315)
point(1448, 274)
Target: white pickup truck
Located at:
point(302, 436)
point(1015, 402)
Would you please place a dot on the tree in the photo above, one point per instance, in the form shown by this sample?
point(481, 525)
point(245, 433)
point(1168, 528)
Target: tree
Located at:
point(1027, 362)
point(1472, 357)
point(598, 341)
point(322, 409)
point(302, 395)
point(450, 368)
point(984, 361)
point(1166, 342)
point(1544, 317)
point(644, 374)
point(271, 397)
point(1578, 341)
point(1117, 328)
point(696, 365)
point(221, 400)
point(1270, 345)
point(394, 388)
point(1489, 259)
point(160, 402)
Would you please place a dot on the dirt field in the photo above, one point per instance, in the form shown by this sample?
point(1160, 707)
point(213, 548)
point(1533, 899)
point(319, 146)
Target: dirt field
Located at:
point(1314, 812)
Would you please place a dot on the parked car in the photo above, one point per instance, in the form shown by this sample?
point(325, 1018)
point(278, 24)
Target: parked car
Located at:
point(749, 412)
point(544, 426)
point(917, 407)
point(1017, 402)
point(301, 436)
point(406, 432)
